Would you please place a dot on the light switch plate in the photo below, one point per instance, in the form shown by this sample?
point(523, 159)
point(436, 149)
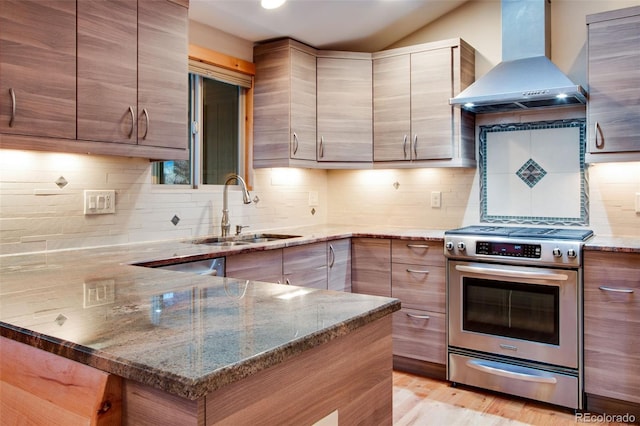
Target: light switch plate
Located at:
point(313, 198)
point(436, 199)
point(99, 201)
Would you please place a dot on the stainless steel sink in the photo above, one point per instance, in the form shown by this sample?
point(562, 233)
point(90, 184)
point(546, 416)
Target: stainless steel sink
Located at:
point(242, 239)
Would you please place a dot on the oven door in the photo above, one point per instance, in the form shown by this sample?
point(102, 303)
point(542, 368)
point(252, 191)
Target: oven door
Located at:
point(522, 312)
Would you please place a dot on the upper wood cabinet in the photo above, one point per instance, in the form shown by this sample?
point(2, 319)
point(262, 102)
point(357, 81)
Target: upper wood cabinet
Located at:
point(38, 68)
point(613, 109)
point(413, 121)
point(284, 104)
point(345, 117)
point(132, 72)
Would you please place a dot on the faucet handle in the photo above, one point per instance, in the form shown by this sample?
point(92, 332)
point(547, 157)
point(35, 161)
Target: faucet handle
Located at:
point(239, 228)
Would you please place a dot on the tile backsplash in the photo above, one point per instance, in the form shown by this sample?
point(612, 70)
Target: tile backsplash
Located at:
point(36, 214)
point(534, 173)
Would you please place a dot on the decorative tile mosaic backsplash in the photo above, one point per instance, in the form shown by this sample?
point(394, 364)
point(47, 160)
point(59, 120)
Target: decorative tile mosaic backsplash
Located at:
point(534, 173)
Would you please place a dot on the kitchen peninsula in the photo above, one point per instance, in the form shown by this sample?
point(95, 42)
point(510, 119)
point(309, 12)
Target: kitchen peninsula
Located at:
point(166, 347)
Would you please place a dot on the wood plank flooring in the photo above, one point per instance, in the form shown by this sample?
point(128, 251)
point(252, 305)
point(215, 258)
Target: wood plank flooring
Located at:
point(423, 401)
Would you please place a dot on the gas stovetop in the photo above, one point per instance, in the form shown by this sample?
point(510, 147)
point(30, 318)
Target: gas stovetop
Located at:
point(523, 232)
point(559, 247)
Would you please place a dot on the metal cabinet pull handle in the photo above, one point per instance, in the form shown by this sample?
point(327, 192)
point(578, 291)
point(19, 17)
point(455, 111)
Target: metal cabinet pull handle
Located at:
point(133, 120)
point(332, 256)
point(616, 289)
point(417, 271)
point(12, 93)
point(295, 143)
point(146, 117)
point(404, 146)
point(597, 130)
point(321, 149)
point(415, 147)
point(418, 316)
point(423, 246)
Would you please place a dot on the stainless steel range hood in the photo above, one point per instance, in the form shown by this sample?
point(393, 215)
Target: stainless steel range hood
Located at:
point(525, 78)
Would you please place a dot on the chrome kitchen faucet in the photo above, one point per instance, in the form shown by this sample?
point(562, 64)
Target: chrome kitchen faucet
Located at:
point(246, 198)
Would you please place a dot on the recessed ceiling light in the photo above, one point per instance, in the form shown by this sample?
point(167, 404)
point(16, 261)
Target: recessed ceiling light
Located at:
point(272, 4)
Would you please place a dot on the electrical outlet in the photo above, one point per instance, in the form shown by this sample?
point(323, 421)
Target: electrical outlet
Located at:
point(313, 198)
point(99, 201)
point(436, 199)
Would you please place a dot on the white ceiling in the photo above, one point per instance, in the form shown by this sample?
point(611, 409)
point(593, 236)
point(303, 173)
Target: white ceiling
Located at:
point(367, 25)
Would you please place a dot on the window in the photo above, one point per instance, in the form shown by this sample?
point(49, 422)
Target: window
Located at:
point(217, 109)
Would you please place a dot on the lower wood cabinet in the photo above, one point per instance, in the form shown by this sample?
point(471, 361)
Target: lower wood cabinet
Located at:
point(371, 266)
point(612, 331)
point(339, 265)
point(256, 266)
point(305, 265)
point(419, 335)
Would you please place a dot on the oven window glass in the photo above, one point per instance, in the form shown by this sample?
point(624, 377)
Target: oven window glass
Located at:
point(522, 311)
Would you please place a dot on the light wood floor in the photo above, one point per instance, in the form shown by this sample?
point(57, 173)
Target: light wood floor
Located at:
point(423, 401)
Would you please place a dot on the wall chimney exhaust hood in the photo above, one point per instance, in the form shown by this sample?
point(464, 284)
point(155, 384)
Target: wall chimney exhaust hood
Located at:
point(525, 78)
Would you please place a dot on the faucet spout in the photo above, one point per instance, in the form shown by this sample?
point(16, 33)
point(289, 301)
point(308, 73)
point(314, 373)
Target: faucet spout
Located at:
point(225, 224)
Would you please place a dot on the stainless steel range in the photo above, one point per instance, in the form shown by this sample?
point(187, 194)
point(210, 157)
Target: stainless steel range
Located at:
point(514, 304)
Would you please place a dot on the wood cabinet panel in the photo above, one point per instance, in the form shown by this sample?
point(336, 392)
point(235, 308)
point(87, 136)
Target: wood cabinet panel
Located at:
point(419, 286)
point(339, 265)
point(257, 266)
point(107, 66)
point(284, 104)
point(344, 102)
point(371, 266)
point(420, 335)
point(392, 108)
point(418, 252)
point(612, 324)
point(613, 110)
point(162, 112)
point(38, 65)
point(305, 265)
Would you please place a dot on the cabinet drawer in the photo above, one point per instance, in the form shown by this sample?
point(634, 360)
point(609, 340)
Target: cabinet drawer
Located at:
point(418, 252)
point(419, 335)
point(257, 266)
point(418, 286)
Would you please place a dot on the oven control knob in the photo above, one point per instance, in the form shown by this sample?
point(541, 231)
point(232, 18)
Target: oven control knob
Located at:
point(571, 254)
point(449, 245)
point(462, 246)
point(557, 252)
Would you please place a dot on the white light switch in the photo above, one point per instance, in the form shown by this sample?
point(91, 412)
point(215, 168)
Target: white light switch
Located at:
point(99, 201)
point(436, 199)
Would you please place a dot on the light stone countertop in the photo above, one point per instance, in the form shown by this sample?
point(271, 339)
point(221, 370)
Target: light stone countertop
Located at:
point(183, 333)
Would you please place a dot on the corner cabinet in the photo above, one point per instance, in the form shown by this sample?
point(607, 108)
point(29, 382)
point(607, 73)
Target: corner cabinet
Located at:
point(345, 118)
point(414, 125)
point(613, 110)
point(284, 105)
point(116, 77)
point(37, 70)
point(612, 332)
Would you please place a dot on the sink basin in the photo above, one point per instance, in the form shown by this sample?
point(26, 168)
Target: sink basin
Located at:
point(242, 239)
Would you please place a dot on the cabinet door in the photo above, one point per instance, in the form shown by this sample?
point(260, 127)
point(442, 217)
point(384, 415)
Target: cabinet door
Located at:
point(392, 108)
point(613, 109)
point(257, 266)
point(305, 265)
point(371, 266)
point(339, 264)
point(38, 68)
point(303, 105)
point(612, 325)
point(431, 114)
point(345, 116)
point(162, 74)
point(107, 70)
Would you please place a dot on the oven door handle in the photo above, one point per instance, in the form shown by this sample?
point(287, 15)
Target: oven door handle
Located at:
point(554, 276)
point(502, 370)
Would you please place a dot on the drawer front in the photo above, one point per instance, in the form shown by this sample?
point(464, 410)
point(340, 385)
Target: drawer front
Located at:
point(419, 287)
point(257, 266)
point(418, 252)
point(419, 335)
